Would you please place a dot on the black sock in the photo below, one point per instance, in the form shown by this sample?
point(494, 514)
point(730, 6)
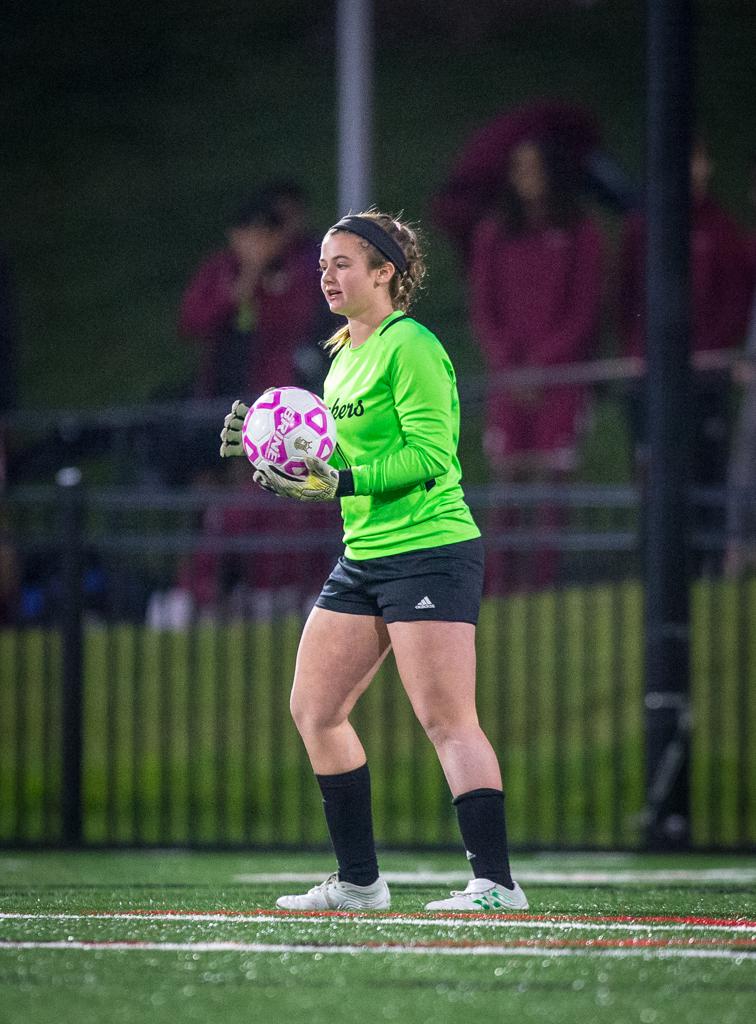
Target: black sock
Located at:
point(480, 814)
point(349, 816)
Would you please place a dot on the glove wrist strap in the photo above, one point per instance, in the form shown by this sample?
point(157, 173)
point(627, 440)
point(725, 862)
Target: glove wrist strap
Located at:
point(345, 486)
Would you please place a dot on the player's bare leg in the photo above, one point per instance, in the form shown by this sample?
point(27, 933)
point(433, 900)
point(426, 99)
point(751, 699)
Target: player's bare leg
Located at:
point(436, 662)
point(338, 656)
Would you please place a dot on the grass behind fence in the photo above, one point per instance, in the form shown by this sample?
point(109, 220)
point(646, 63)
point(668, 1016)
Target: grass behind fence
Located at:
point(221, 741)
point(187, 736)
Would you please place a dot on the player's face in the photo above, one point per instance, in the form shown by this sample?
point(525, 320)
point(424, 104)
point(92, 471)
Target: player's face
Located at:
point(256, 244)
point(350, 285)
point(527, 174)
point(700, 171)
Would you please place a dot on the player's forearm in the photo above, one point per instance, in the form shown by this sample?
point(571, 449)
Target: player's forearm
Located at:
point(412, 465)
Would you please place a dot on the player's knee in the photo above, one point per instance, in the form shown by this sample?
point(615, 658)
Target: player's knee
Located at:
point(442, 729)
point(300, 712)
point(310, 717)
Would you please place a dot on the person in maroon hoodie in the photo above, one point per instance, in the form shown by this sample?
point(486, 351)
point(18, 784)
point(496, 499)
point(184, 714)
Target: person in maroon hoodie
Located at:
point(536, 279)
point(254, 308)
point(719, 286)
point(479, 173)
point(255, 304)
point(740, 555)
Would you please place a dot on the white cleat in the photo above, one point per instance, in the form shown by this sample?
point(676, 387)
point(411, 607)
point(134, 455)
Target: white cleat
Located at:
point(482, 894)
point(334, 894)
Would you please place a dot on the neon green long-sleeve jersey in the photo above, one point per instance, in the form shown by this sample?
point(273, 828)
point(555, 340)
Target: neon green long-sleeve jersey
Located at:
point(395, 403)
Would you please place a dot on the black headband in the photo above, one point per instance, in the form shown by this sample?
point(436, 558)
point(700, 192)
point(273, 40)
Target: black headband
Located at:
point(372, 232)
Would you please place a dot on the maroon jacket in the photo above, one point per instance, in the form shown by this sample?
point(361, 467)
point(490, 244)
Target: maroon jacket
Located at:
point(536, 298)
point(719, 281)
point(288, 311)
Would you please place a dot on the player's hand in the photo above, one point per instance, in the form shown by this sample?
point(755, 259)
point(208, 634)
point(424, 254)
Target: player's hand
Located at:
point(231, 435)
point(319, 485)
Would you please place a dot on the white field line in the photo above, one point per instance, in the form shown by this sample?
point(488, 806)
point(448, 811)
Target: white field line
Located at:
point(435, 922)
point(311, 949)
point(537, 877)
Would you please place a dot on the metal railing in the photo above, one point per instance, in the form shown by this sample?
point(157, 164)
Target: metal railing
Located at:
point(39, 441)
point(144, 688)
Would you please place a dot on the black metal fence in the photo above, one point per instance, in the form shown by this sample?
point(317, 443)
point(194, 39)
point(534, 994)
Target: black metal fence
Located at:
point(144, 680)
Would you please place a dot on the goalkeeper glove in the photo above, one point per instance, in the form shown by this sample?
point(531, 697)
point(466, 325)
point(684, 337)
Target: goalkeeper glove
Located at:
point(322, 483)
point(231, 437)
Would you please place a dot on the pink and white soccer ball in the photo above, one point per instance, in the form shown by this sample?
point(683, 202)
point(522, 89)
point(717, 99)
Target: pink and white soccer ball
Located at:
point(284, 425)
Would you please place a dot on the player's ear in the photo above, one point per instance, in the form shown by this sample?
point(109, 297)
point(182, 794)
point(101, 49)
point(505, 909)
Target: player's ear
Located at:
point(385, 272)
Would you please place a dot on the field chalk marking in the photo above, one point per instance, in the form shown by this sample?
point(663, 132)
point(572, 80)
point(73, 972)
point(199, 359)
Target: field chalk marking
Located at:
point(532, 950)
point(557, 922)
point(704, 876)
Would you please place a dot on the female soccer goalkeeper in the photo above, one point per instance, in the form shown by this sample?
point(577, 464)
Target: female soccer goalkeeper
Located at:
point(410, 577)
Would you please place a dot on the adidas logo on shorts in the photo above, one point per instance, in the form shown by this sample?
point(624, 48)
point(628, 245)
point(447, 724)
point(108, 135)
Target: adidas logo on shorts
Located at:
point(425, 602)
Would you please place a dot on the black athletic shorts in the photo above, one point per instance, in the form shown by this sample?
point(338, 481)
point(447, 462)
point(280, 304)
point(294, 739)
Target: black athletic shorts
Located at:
point(444, 582)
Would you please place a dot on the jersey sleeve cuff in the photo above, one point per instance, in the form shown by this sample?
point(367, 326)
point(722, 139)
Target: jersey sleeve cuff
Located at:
point(360, 479)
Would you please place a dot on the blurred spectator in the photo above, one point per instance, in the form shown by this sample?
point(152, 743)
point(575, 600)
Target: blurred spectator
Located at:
point(284, 577)
point(255, 304)
point(741, 511)
point(10, 568)
point(719, 307)
point(301, 247)
point(10, 571)
point(256, 309)
point(536, 275)
point(289, 200)
point(8, 355)
point(256, 312)
point(481, 171)
point(8, 337)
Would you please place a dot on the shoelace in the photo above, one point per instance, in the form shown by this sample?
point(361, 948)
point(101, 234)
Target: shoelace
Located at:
point(324, 885)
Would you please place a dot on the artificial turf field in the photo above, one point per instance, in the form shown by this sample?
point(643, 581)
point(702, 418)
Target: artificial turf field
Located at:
point(171, 936)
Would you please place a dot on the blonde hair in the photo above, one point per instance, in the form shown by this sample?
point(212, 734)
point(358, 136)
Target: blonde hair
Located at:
point(403, 286)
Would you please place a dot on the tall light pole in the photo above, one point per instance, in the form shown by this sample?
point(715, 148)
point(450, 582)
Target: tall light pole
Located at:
point(354, 41)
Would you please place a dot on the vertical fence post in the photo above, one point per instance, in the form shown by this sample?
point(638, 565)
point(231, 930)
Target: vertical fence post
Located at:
point(71, 508)
point(667, 813)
